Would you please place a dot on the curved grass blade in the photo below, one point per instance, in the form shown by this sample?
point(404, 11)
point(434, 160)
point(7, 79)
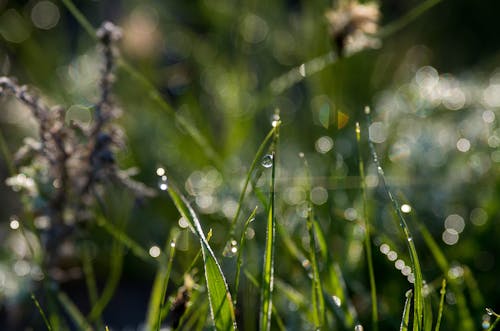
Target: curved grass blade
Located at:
point(441, 305)
point(158, 293)
point(266, 286)
point(42, 313)
point(240, 255)
point(221, 305)
point(405, 321)
point(367, 241)
point(418, 297)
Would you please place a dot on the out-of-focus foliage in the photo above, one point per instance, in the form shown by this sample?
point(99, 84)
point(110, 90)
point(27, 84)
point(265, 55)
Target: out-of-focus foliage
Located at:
point(434, 90)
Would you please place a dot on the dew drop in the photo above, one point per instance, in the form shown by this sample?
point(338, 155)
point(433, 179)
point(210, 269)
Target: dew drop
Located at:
point(337, 300)
point(231, 248)
point(490, 311)
point(267, 161)
point(172, 244)
point(154, 251)
point(163, 183)
point(358, 327)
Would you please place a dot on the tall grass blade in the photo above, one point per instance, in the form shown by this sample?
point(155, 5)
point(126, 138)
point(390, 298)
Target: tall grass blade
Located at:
point(418, 297)
point(442, 292)
point(367, 241)
point(88, 271)
point(317, 299)
point(221, 305)
point(266, 286)
point(125, 239)
point(239, 259)
point(405, 321)
point(158, 293)
point(7, 155)
point(73, 312)
point(255, 162)
point(279, 321)
point(42, 313)
point(455, 285)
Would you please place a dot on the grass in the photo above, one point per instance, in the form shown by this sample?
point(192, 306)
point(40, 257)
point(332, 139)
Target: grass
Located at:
point(302, 266)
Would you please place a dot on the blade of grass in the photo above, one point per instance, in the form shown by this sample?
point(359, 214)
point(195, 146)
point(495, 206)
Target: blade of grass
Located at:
point(124, 238)
point(73, 312)
point(88, 272)
point(115, 271)
point(279, 321)
point(159, 291)
point(455, 285)
point(42, 313)
point(367, 226)
point(442, 292)
point(240, 255)
point(266, 288)
point(317, 299)
point(255, 161)
point(418, 297)
point(221, 305)
point(405, 321)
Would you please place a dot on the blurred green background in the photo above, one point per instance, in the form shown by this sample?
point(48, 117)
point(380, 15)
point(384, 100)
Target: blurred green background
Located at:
point(434, 90)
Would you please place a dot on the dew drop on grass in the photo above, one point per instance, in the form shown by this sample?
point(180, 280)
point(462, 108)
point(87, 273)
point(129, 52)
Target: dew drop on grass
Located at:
point(163, 183)
point(490, 311)
point(267, 161)
point(358, 327)
point(231, 248)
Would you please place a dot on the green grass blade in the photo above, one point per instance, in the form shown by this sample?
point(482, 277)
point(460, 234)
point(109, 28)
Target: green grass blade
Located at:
point(418, 297)
point(367, 226)
point(266, 285)
point(125, 239)
point(255, 162)
point(88, 271)
point(158, 293)
point(279, 321)
point(405, 321)
point(73, 312)
point(221, 305)
point(442, 292)
point(455, 285)
point(7, 155)
point(42, 313)
point(115, 271)
point(318, 302)
point(239, 259)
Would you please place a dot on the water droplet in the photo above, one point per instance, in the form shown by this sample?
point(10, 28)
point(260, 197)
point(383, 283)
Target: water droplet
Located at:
point(172, 244)
point(410, 239)
point(154, 251)
point(163, 183)
point(406, 208)
point(231, 248)
point(408, 293)
point(367, 110)
point(14, 223)
point(160, 171)
point(267, 161)
point(337, 300)
point(358, 327)
point(490, 311)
